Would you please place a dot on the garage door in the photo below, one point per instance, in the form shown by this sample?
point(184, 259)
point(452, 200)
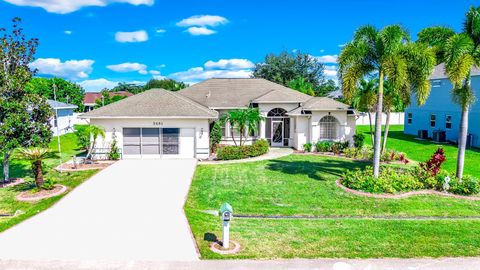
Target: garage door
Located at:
point(158, 142)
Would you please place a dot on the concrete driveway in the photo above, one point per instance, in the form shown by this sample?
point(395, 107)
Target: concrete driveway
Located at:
point(133, 210)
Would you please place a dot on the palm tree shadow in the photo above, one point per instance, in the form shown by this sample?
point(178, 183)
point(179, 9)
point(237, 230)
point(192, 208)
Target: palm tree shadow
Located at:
point(317, 170)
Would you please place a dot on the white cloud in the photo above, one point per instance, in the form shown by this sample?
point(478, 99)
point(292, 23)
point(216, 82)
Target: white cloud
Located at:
point(135, 36)
point(199, 73)
point(154, 72)
point(229, 64)
point(98, 84)
point(328, 58)
point(160, 31)
point(70, 69)
point(202, 20)
point(331, 71)
point(200, 31)
point(67, 32)
point(129, 67)
point(68, 6)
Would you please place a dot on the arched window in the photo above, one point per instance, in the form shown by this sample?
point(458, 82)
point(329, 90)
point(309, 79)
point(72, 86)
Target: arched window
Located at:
point(277, 112)
point(328, 128)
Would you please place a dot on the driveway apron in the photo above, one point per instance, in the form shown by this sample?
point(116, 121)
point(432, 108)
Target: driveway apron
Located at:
point(132, 210)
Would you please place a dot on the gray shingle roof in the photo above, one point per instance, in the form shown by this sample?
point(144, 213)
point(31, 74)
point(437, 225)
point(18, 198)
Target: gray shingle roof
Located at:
point(439, 72)
point(153, 103)
point(60, 105)
point(239, 93)
point(320, 104)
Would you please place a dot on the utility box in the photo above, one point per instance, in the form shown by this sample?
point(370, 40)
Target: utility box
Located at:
point(439, 136)
point(226, 214)
point(423, 134)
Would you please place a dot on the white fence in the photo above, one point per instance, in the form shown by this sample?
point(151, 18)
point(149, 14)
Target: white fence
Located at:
point(396, 118)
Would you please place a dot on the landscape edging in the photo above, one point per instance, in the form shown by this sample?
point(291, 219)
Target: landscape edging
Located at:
point(403, 195)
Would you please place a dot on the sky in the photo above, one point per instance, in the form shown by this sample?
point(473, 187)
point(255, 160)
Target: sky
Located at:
point(99, 43)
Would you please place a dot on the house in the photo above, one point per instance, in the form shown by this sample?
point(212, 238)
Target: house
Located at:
point(440, 115)
point(90, 99)
point(160, 123)
point(63, 119)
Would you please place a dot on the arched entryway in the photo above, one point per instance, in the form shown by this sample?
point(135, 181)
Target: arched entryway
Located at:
point(278, 127)
point(328, 128)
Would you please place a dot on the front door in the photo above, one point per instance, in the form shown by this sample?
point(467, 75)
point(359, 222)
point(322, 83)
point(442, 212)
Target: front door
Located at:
point(277, 133)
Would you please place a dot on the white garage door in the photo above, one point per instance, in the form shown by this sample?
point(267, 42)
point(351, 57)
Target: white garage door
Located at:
point(158, 143)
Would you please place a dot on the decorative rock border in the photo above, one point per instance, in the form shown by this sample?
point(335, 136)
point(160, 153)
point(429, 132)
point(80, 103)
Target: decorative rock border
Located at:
point(13, 182)
point(404, 195)
point(217, 248)
point(96, 166)
point(20, 197)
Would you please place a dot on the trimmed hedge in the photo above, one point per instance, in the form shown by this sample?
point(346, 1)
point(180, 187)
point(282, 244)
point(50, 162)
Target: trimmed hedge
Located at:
point(259, 148)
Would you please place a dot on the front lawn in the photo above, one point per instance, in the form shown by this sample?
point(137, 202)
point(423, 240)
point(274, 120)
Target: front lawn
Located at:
point(304, 185)
point(9, 205)
point(420, 150)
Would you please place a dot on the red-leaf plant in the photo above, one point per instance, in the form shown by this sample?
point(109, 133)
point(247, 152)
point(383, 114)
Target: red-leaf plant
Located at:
point(433, 165)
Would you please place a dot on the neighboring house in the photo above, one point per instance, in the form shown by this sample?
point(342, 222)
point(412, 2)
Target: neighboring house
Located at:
point(63, 119)
point(160, 123)
point(90, 98)
point(440, 113)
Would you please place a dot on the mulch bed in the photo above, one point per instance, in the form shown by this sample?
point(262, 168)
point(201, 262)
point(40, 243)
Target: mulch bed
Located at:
point(405, 194)
point(98, 165)
point(30, 196)
point(12, 182)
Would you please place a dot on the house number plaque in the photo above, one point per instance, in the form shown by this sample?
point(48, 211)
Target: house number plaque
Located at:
point(158, 123)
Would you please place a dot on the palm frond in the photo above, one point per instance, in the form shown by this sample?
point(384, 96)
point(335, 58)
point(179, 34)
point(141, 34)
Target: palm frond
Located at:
point(471, 25)
point(34, 153)
point(463, 95)
point(392, 37)
point(458, 58)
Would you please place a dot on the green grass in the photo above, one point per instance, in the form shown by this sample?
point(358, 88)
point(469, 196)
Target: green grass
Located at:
point(419, 150)
point(20, 168)
point(305, 186)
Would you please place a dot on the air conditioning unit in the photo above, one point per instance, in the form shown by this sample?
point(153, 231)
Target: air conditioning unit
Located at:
point(439, 136)
point(423, 134)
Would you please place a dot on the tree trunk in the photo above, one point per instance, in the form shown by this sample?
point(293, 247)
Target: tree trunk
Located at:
point(231, 133)
point(37, 171)
point(6, 165)
point(241, 136)
point(462, 142)
point(90, 150)
point(371, 129)
point(385, 134)
point(378, 128)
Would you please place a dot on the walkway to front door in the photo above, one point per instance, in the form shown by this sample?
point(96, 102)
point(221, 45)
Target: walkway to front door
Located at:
point(133, 210)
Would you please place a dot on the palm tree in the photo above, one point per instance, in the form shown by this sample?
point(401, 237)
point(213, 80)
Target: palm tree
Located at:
point(460, 52)
point(243, 120)
point(94, 132)
point(392, 102)
point(35, 155)
point(388, 54)
point(365, 99)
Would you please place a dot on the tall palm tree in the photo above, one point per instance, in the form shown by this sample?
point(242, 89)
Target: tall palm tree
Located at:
point(365, 99)
point(459, 52)
point(243, 120)
point(392, 102)
point(388, 54)
point(35, 155)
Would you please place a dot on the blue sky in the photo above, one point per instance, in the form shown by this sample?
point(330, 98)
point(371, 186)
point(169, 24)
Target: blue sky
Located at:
point(99, 43)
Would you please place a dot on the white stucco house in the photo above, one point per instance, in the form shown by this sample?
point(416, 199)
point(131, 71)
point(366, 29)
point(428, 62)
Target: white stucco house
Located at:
point(159, 123)
point(64, 118)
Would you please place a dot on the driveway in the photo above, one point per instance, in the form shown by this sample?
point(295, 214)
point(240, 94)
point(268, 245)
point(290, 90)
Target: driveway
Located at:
point(133, 210)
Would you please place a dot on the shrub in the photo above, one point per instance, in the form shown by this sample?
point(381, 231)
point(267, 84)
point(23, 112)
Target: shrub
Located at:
point(434, 164)
point(114, 153)
point(390, 180)
point(468, 186)
point(323, 146)
point(48, 184)
point(352, 152)
point(259, 148)
point(358, 140)
point(307, 147)
point(215, 136)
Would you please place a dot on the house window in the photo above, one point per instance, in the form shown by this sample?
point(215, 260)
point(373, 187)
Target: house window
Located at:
point(223, 126)
point(433, 120)
point(436, 83)
point(448, 122)
point(328, 128)
point(409, 118)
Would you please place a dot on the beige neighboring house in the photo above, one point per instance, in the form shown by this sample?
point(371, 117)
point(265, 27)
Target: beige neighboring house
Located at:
point(164, 124)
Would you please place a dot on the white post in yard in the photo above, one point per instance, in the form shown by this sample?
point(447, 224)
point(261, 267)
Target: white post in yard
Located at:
point(58, 131)
point(226, 234)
